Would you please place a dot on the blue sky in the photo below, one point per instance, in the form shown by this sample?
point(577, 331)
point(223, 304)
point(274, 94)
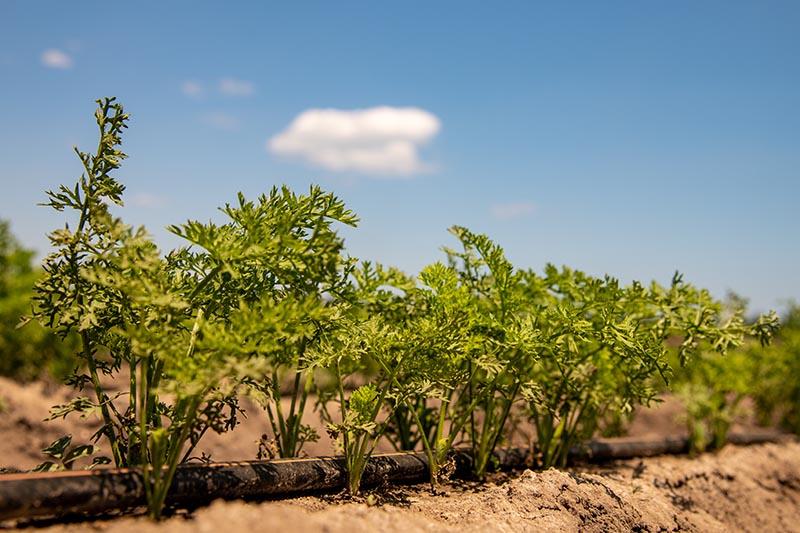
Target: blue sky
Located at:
point(633, 138)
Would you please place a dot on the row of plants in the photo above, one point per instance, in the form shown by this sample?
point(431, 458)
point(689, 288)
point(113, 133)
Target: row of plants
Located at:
point(268, 303)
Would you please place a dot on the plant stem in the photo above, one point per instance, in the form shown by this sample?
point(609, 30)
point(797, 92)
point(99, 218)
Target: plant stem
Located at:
point(108, 423)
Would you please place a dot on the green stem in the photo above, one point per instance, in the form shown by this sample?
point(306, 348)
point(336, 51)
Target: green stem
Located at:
point(342, 410)
point(482, 458)
point(276, 398)
point(275, 432)
point(433, 463)
point(504, 417)
point(154, 370)
point(143, 419)
point(301, 410)
point(176, 445)
point(362, 455)
point(108, 423)
point(290, 439)
point(133, 400)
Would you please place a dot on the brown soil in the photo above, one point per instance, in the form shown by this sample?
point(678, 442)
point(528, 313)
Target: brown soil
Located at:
point(23, 431)
point(753, 488)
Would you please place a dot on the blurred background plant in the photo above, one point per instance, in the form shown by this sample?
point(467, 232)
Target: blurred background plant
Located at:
point(713, 389)
point(714, 385)
point(27, 351)
point(775, 384)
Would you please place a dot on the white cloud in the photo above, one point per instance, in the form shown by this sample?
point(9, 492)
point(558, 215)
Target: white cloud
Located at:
point(192, 89)
point(221, 120)
point(234, 87)
point(512, 210)
point(148, 200)
point(379, 140)
point(54, 58)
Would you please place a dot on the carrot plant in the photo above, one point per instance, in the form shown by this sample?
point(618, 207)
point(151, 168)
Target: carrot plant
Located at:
point(475, 351)
point(281, 248)
point(407, 341)
point(713, 386)
point(775, 382)
point(69, 301)
point(606, 349)
point(363, 413)
point(191, 328)
point(437, 339)
point(183, 355)
point(712, 397)
point(498, 368)
point(594, 358)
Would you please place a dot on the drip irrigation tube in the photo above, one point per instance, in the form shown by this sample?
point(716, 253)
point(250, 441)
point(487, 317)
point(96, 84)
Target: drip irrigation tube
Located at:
point(89, 492)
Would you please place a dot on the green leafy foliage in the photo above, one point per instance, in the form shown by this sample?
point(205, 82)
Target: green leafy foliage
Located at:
point(438, 338)
point(27, 350)
point(606, 350)
point(277, 256)
point(68, 298)
point(64, 454)
point(502, 344)
point(488, 344)
point(131, 307)
point(713, 394)
point(714, 389)
point(775, 384)
point(353, 349)
point(714, 383)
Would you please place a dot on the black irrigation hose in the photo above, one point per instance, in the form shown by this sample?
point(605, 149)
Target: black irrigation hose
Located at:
point(31, 495)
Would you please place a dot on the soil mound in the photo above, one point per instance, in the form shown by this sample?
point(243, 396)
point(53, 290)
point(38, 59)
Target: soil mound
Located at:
point(754, 488)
